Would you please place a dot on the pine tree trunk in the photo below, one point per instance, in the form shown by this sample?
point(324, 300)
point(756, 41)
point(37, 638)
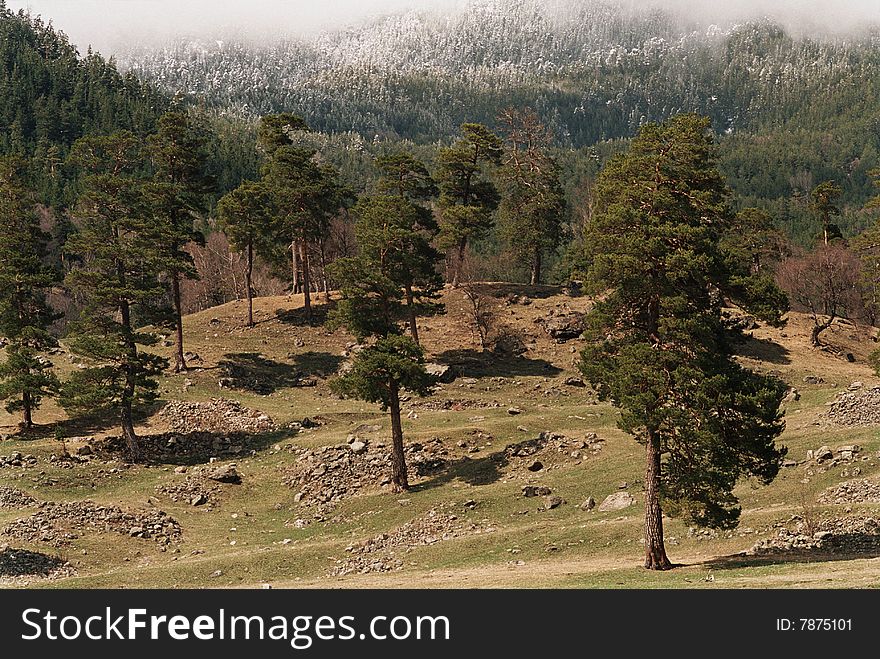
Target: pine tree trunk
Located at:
point(306, 280)
point(294, 258)
point(536, 267)
point(399, 479)
point(410, 306)
point(655, 550)
point(179, 361)
point(248, 276)
point(132, 445)
point(459, 265)
point(27, 420)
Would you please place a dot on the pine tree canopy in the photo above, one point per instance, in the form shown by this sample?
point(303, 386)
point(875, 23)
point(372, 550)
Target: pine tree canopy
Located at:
point(659, 350)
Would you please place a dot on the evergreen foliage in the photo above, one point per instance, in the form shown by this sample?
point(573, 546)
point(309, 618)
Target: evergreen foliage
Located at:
point(658, 349)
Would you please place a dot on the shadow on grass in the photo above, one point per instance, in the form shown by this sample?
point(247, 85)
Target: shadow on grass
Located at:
point(476, 364)
point(298, 316)
point(763, 350)
point(250, 371)
point(484, 470)
point(194, 448)
point(85, 425)
point(501, 289)
point(26, 563)
point(318, 364)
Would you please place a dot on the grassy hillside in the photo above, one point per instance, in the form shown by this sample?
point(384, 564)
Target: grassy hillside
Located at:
point(466, 522)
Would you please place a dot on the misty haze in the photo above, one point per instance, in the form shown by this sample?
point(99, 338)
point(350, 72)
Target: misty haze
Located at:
point(401, 294)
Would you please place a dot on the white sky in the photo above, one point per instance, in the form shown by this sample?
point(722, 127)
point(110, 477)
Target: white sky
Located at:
point(109, 24)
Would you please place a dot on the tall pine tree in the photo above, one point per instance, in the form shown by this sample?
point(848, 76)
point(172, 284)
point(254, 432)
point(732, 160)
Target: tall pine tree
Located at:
point(533, 207)
point(659, 349)
point(307, 195)
point(118, 245)
point(468, 198)
point(406, 179)
point(372, 285)
point(177, 196)
point(245, 216)
point(26, 375)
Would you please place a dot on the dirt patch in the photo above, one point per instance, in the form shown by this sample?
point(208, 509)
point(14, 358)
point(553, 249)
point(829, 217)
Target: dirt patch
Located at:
point(218, 415)
point(59, 523)
point(17, 566)
point(384, 552)
point(858, 491)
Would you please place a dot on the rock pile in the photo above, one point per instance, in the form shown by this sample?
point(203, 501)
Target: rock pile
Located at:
point(58, 523)
point(15, 564)
point(563, 326)
point(454, 405)
point(323, 476)
point(201, 487)
point(857, 491)
point(846, 535)
point(13, 498)
point(382, 553)
point(855, 408)
point(172, 447)
point(551, 442)
point(218, 415)
point(17, 460)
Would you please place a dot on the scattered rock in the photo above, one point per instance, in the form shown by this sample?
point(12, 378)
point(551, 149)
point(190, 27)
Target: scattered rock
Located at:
point(218, 415)
point(859, 407)
point(616, 501)
point(10, 497)
point(529, 491)
point(58, 523)
point(16, 459)
point(513, 411)
point(588, 504)
point(575, 382)
point(813, 379)
point(18, 564)
point(858, 491)
point(382, 553)
point(553, 501)
point(224, 474)
point(537, 465)
point(441, 372)
point(358, 447)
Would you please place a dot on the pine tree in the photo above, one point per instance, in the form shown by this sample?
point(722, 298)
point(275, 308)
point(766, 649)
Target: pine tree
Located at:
point(26, 376)
point(177, 196)
point(406, 178)
point(372, 285)
point(120, 253)
point(658, 349)
point(533, 206)
point(245, 216)
point(823, 202)
point(306, 197)
point(468, 198)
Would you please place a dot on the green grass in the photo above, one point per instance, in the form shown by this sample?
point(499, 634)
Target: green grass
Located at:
point(566, 547)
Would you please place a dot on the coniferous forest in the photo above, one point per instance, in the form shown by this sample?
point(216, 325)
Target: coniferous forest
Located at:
point(671, 202)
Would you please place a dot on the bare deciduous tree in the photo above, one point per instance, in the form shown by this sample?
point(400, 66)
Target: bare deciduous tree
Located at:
point(824, 283)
